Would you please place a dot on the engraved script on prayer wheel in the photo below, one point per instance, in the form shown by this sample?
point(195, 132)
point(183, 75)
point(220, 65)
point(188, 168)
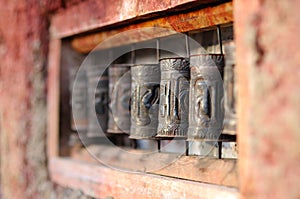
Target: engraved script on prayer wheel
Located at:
point(230, 90)
point(206, 110)
point(174, 98)
point(78, 90)
point(97, 102)
point(119, 93)
point(144, 100)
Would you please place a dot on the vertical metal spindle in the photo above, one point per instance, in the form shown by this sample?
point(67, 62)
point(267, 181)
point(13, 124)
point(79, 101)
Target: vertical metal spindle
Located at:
point(132, 54)
point(220, 150)
point(220, 39)
point(157, 58)
point(157, 50)
point(158, 145)
point(187, 148)
point(187, 44)
point(221, 51)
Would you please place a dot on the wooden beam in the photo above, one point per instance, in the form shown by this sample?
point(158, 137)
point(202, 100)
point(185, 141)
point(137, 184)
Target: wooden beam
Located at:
point(94, 14)
point(208, 170)
point(53, 97)
point(102, 182)
point(184, 22)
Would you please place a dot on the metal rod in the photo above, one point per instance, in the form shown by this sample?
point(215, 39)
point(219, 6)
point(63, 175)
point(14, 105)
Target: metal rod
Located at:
point(133, 54)
point(158, 145)
point(187, 148)
point(187, 44)
point(221, 51)
point(133, 143)
point(110, 56)
point(157, 50)
point(220, 149)
point(220, 38)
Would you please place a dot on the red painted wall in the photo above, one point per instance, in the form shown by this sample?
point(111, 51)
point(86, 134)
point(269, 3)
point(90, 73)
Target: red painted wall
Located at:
point(268, 58)
point(23, 71)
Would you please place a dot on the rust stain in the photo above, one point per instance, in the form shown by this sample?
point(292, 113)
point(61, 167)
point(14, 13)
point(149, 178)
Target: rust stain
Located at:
point(181, 23)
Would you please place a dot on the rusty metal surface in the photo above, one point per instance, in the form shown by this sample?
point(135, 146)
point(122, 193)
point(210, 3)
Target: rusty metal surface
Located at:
point(119, 103)
point(78, 90)
point(230, 90)
point(183, 22)
point(206, 111)
point(174, 98)
point(144, 101)
point(97, 102)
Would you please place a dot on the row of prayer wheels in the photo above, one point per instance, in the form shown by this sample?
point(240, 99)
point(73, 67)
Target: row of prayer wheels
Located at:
point(179, 98)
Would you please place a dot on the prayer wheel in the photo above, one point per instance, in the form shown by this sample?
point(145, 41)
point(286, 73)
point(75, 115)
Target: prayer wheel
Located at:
point(230, 90)
point(174, 98)
point(119, 103)
point(78, 90)
point(206, 111)
point(97, 101)
point(144, 100)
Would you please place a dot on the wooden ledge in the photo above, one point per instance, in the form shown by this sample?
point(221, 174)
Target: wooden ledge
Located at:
point(209, 170)
point(101, 182)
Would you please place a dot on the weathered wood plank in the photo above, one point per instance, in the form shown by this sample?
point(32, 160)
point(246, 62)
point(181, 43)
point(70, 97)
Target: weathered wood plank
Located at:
point(101, 182)
point(53, 97)
point(184, 22)
point(221, 172)
point(208, 170)
point(94, 14)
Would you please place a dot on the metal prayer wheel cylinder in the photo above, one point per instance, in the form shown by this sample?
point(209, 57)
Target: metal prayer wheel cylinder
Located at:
point(230, 90)
point(144, 100)
point(119, 103)
point(174, 98)
point(206, 111)
point(97, 102)
point(79, 97)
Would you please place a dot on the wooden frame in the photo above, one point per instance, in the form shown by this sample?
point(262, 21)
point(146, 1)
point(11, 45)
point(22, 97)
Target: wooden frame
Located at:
point(195, 168)
point(53, 97)
point(81, 171)
point(99, 181)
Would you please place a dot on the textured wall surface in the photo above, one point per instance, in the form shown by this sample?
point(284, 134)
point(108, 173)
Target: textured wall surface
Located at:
point(23, 74)
point(23, 46)
point(268, 58)
point(268, 52)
